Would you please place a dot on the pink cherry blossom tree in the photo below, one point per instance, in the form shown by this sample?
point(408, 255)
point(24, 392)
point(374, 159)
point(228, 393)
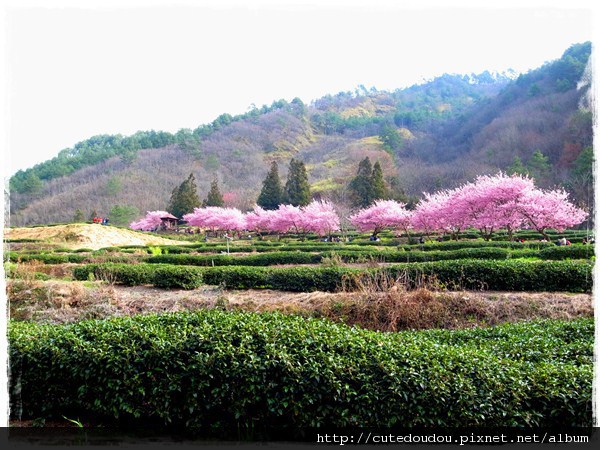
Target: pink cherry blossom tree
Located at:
point(260, 220)
point(494, 202)
point(151, 222)
point(427, 216)
point(549, 209)
point(319, 217)
point(439, 212)
point(490, 203)
point(381, 215)
point(288, 218)
point(217, 218)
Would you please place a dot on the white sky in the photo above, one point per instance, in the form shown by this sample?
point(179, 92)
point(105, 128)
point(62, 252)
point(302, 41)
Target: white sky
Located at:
point(75, 69)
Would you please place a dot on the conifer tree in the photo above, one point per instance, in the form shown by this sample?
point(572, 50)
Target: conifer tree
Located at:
point(368, 185)
point(184, 198)
point(517, 167)
point(297, 189)
point(214, 197)
point(271, 194)
point(378, 183)
point(361, 187)
point(538, 165)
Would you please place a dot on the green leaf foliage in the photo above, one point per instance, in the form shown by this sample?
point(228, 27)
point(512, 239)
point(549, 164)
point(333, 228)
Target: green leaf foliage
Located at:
point(214, 196)
point(184, 198)
point(297, 190)
point(219, 373)
point(508, 275)
point(271, 194)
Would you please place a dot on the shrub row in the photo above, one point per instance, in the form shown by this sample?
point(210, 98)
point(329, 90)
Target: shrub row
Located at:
point(297, 257)
point(458, 245)
point(510, 275)
point(53, 258)
point(261, 259)
point(298, 279)
point(568, 252)
point(261, 247)
point(163, 276)
point(222, 373)
point(507, 275)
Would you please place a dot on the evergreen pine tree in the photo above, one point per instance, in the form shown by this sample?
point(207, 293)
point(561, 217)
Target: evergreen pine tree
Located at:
point(271, 194)
point(379, 192)
point(184, 198)
point(297, 189)
point(538, 165)
point(517, 167)
point(214, 197)
point(361, 186)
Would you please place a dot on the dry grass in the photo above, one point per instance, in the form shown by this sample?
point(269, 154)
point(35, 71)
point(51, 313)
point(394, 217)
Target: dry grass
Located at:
point(58, 301)
point(378, 302)
point(384, 305)
point(28, 269)
point(92, 236)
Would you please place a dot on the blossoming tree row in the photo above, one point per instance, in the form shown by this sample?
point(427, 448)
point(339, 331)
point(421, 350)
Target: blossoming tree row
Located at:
point(493, 203)
point(489, 204)
point(316, 217)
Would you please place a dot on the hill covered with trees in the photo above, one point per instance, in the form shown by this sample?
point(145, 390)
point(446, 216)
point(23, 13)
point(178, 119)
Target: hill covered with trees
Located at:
point(438, 134)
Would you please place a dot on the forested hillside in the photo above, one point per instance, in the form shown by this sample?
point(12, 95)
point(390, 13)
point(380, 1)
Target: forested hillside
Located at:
point(434, 135)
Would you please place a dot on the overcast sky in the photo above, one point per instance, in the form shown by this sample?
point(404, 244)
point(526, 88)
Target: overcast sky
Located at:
point(74, 69)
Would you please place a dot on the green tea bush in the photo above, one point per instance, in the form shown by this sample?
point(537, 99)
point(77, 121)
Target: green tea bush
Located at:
point(46, 258)
point(222, 372)
point(352, 256)
point(506, 275)
point(567, 251)
point(263, 259)
point(127, 274)
point(457, 245)
point(309, 279)
point(510, 275)
point(237, 277)
point(177, 277)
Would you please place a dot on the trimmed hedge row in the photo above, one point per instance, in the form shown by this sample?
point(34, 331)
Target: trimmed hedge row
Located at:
point(509, 275)
point(297, 257)
point(261, 247)
point(261, 259)
point(164, 276)
point(298, 279)
point(222, 373)
point(53, 258)
point(568, 252)
point(458, 245)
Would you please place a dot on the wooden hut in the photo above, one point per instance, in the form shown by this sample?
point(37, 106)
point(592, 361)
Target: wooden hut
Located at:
point(168, 222)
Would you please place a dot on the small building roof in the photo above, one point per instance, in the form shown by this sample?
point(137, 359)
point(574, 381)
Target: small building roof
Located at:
point(168, 216)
